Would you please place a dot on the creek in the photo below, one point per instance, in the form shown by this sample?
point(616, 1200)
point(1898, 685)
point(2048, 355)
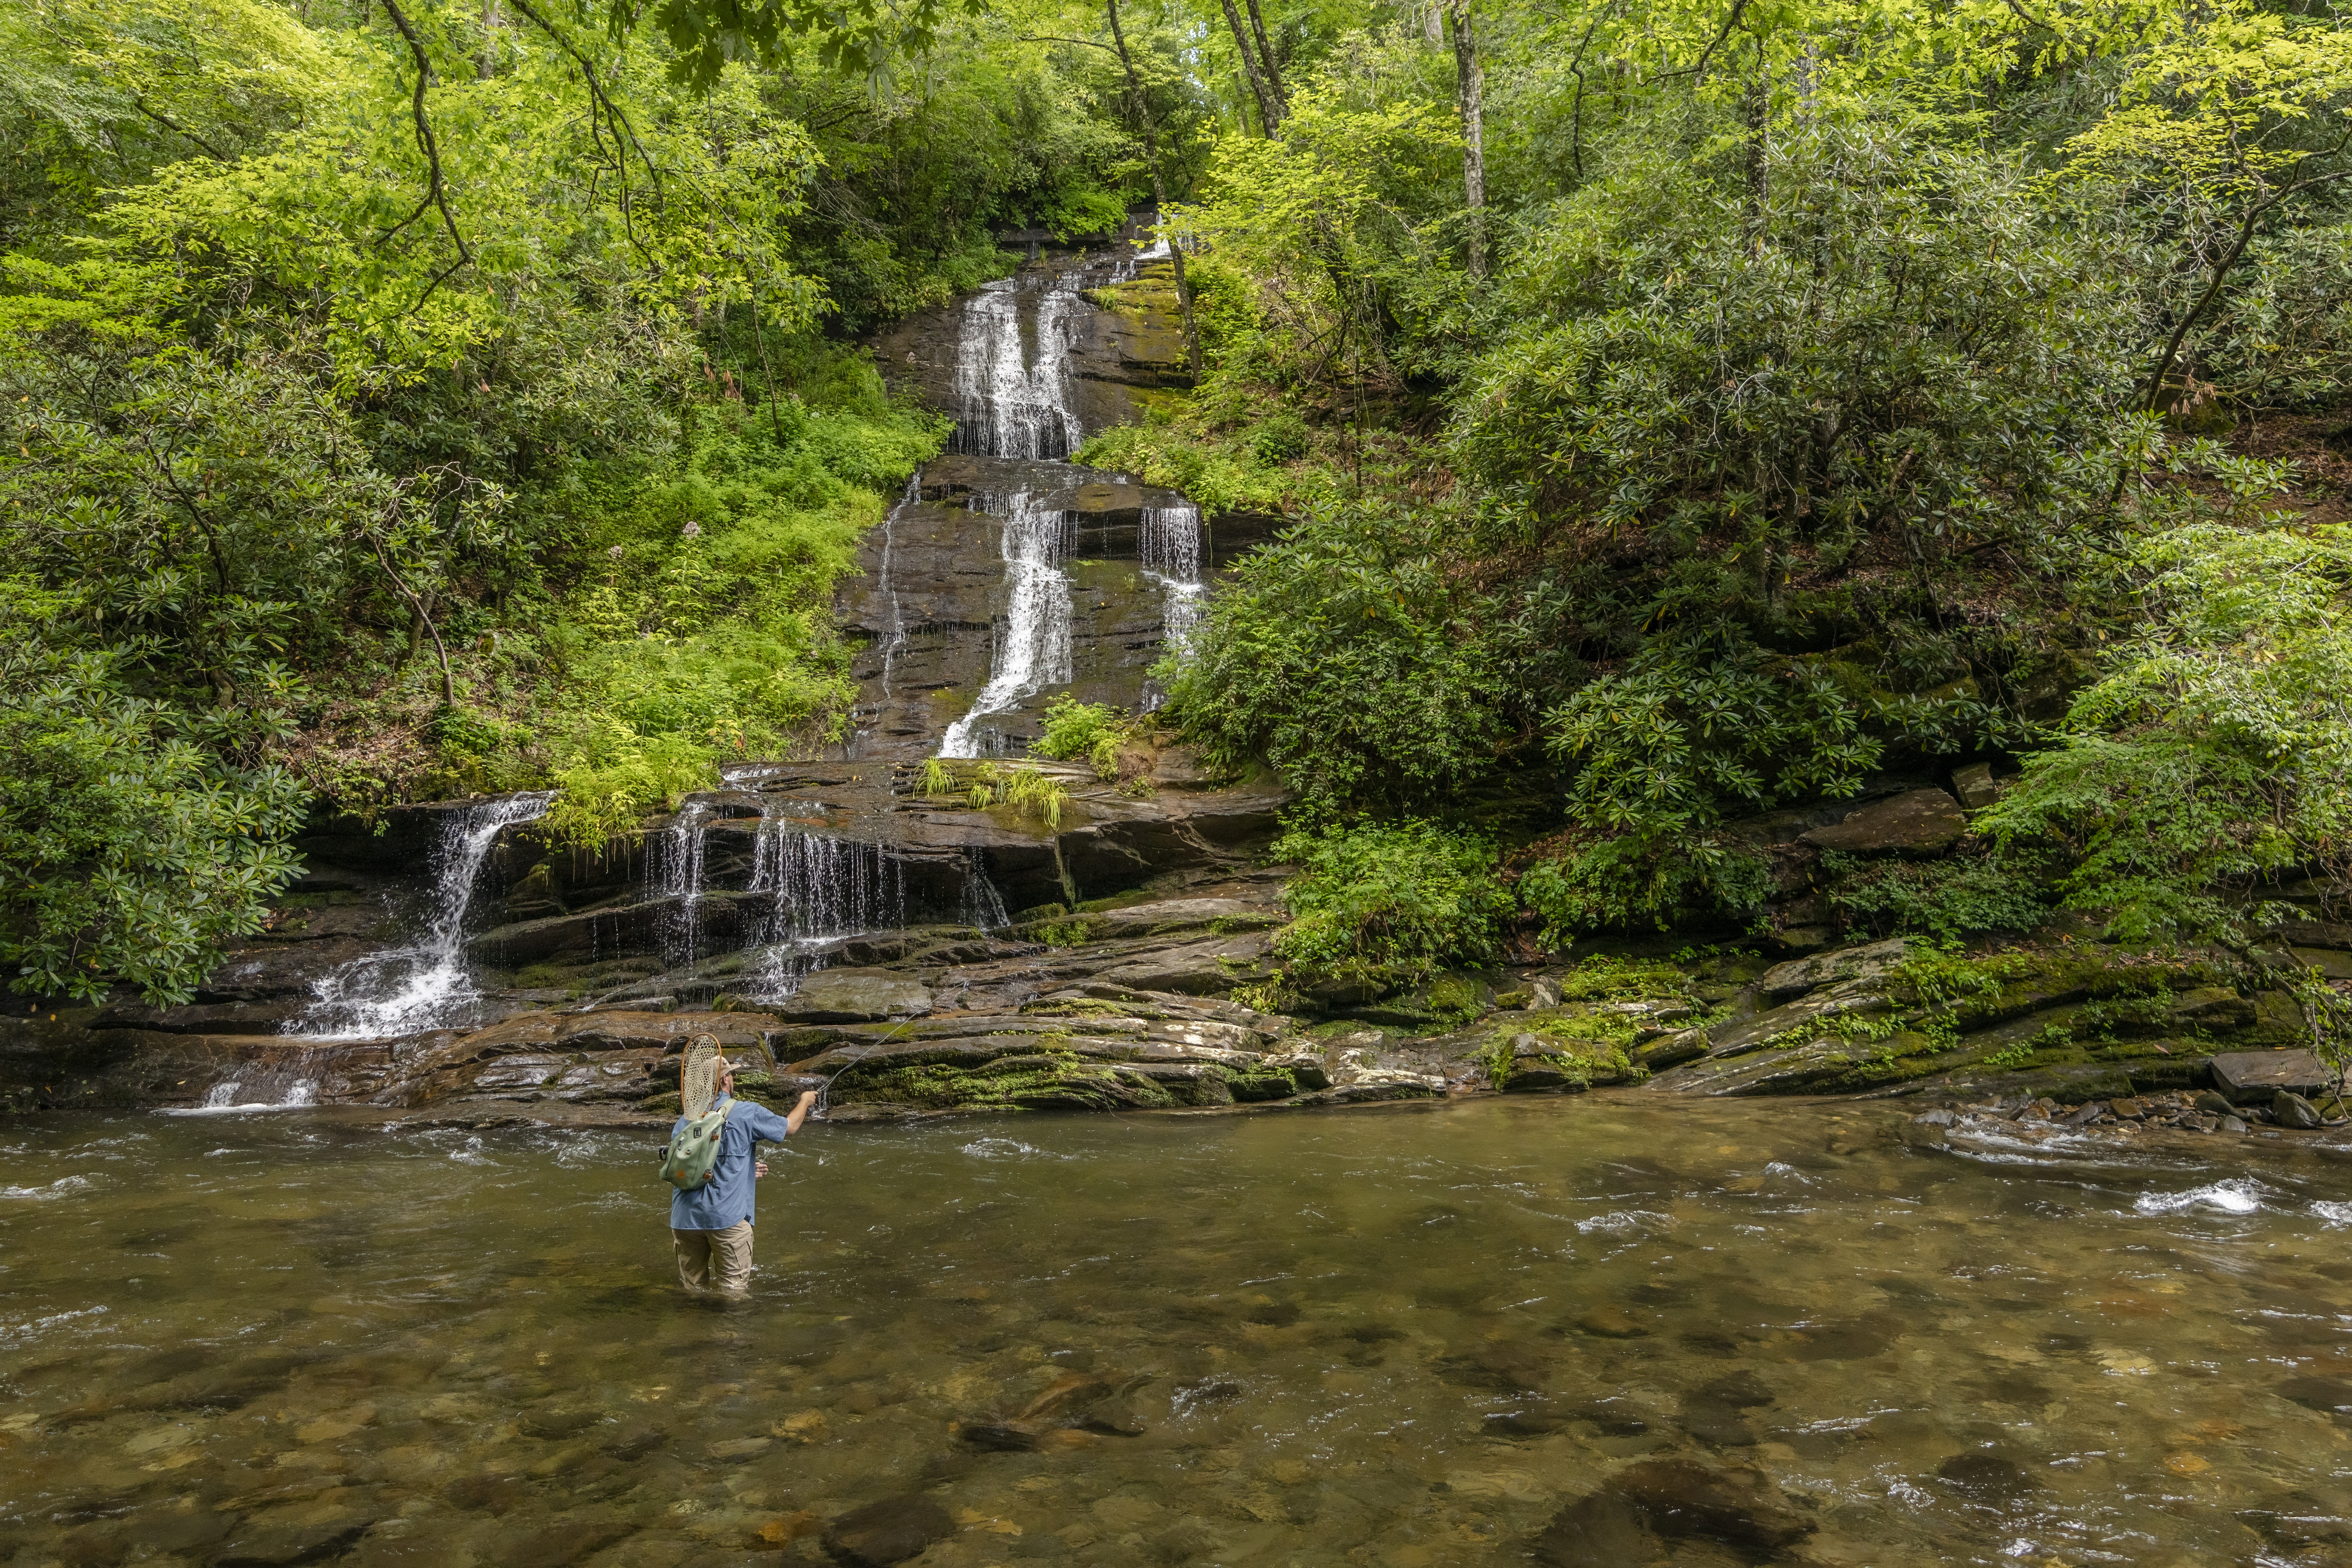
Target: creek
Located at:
point(1417, 1336)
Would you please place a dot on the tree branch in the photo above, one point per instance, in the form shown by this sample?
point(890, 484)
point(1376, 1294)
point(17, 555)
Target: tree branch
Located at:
point(2221, 271)
point(437, 193)
point(1576, 64)
point(1057, 38)
point(448, 681)
point(140, 105)
point(602, 102)
point(1737, 6)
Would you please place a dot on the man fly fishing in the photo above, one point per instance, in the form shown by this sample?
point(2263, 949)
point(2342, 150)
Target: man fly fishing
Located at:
point(710, 1162)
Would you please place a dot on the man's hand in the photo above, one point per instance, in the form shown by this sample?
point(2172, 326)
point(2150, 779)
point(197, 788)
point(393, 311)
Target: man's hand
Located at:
point(758, 1167)
point(800, 1112)
point(808, 1098)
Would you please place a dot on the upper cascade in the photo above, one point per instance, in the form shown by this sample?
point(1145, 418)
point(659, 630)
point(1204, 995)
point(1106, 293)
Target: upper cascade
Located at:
point(1008, 576)
point(1012, 369)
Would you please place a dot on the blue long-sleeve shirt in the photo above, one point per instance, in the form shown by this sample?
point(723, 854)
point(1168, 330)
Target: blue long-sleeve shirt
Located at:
point(727, 1199)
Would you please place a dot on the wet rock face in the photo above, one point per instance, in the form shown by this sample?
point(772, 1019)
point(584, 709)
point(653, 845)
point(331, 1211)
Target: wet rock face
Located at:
point(1006, 576)
point(937, 600)
point(2081, 1024)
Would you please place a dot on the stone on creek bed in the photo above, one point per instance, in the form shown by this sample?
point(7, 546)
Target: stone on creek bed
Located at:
point(2251, 1078)
point(1638, 1510)
point(1784, 981)
point(1031, 1066)
point(889, 1531)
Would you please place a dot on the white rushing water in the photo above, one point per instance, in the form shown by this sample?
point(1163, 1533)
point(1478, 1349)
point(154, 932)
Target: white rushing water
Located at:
point(1033, 643)
point(230, 1098)
point(1013, 387)
point(818, 888)
point(676, 865)
point(1168, 544)
point(425, 985)
point(894, 636)
point(984, 906)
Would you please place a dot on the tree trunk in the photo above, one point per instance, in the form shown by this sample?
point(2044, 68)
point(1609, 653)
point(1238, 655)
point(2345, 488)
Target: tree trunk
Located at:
point(1269, 117)
point(1267, 61)
point(1158, 192)
point(1754, 108)
point(486, 62)
point(1469, 88)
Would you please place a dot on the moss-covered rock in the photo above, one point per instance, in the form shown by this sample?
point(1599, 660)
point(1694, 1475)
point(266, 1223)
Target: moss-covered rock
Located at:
point(1036, 1079)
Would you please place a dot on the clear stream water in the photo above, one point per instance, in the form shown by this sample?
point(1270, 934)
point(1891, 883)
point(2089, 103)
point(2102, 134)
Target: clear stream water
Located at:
point(1402, 1337)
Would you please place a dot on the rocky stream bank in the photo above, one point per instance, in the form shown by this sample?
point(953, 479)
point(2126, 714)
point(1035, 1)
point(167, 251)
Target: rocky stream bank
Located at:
point(848, 925)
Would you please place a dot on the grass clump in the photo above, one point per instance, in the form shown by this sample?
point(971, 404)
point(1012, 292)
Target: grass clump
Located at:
point(987, 785)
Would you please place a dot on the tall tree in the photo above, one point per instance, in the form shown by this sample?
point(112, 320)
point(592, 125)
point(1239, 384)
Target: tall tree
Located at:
point(1469, 88)
point(1272, 67)
point(1269, 102)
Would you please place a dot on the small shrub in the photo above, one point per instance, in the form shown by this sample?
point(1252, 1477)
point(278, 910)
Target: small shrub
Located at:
point(1280, 437)
point(1090, 732)
point(1961, 896)
point(1589, 881)
point(617, 776)
point(1385, 905)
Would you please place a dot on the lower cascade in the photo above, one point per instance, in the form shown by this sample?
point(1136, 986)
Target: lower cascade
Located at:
point(426, 985)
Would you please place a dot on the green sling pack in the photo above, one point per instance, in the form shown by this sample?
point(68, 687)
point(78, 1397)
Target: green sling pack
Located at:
point(686, 1164)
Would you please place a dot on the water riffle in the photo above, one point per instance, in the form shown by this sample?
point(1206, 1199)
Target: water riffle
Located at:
point(1417, 1337)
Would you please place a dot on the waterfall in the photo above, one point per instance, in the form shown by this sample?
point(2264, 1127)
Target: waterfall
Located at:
point(818, 888)
point(1033, 651)
point(984, 906)
point(424, 985)
point(232, 1096)
point(1168, 544)
point(1010, 405)
point(894, 636)
point(677, 873)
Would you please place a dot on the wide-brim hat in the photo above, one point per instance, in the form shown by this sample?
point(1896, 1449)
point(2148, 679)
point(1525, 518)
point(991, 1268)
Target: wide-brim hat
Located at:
point(698, 1075)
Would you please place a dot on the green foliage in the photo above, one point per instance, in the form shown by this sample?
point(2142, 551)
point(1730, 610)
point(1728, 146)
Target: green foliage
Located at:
point(1665, 744)
point(612, 774)
point(1222, 475)
point(128, 851)
point(2214, 751)
point(983, 786)
point(1898, 351)
point(1088, 731)
point(1338, 655)
point(1379, 906)
point(1969, 892)
point(1603, 977)
point(1590, 881)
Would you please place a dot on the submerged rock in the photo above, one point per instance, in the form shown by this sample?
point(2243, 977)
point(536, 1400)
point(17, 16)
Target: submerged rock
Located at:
point(1655, 1501)
point(886, 1532)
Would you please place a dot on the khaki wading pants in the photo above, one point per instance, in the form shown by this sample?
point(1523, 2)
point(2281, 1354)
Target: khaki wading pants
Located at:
point(717, 1260)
